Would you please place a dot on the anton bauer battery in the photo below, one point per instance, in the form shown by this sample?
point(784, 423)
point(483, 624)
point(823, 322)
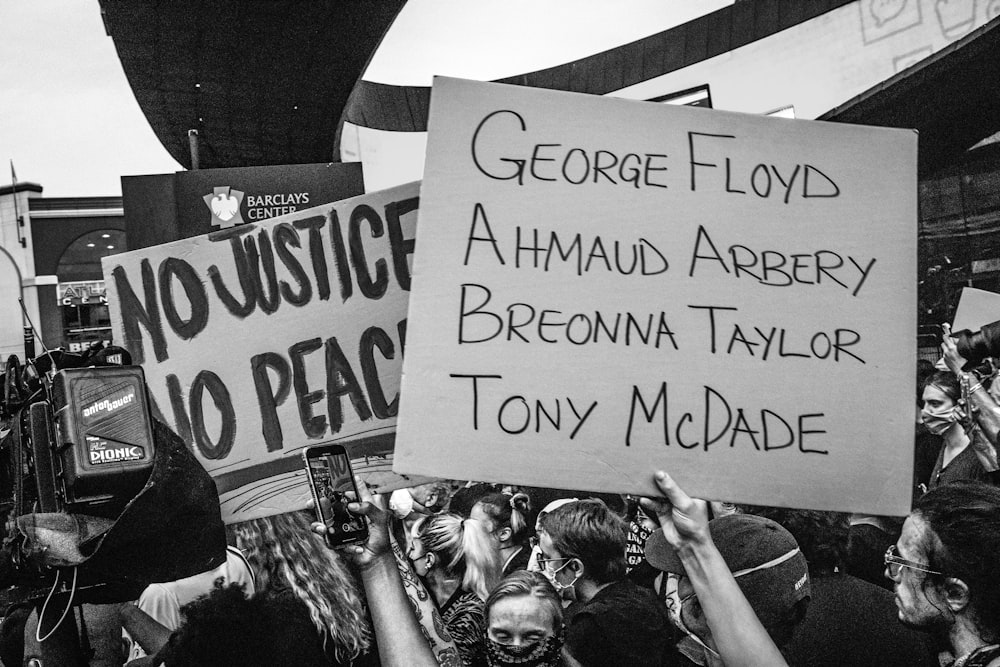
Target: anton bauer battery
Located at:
point(103, 437)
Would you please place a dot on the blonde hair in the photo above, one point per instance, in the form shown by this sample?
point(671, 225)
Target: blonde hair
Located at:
point(465, 548)
point(286, 555)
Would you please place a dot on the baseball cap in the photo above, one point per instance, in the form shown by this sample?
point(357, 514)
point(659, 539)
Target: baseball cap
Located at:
point(764, 558)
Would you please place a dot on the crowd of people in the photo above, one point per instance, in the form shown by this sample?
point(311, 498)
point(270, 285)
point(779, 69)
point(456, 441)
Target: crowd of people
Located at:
point(467, 574)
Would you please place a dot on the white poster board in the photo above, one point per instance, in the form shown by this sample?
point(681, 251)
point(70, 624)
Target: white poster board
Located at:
point(606, 287)
point(976, 307)
point(264, 338)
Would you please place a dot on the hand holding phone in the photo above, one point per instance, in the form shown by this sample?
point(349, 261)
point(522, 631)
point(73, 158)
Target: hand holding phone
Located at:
point(328, 468)
point(378, 546)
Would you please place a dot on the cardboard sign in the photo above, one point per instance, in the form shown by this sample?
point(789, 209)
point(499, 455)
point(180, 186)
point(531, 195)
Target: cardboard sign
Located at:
point(604, 288)
point(976, 307)
point(261, 339)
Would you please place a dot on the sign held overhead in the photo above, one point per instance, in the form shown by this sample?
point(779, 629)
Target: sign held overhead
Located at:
point(605, 287)
point(263, 338)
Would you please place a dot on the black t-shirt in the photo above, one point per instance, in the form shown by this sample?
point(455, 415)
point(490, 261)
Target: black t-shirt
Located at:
point(851, 622)
point(623, 624)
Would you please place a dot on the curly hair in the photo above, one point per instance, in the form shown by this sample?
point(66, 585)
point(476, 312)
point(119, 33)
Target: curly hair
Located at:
point(964, 542)
point(287, 556)
point(226, 629)
point(466, 549)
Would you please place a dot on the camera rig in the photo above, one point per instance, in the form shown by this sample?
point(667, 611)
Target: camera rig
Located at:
point(76, 437)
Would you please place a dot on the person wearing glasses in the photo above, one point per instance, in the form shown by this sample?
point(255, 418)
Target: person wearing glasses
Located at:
point(768, 566)
point(614, 621)
point(945, 568)
point(849, 621)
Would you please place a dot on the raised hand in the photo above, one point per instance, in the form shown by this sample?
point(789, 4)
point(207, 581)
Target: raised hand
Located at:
point(374, 507)
point(683, 519)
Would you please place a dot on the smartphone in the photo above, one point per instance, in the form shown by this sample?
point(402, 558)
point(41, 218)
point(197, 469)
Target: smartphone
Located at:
point(328, 468)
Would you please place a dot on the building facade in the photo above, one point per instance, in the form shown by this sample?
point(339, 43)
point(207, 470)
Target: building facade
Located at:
point(50, 260)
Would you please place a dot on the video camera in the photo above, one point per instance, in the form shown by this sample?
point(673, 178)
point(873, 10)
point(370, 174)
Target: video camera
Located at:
point(979, 345)
point(76, 436)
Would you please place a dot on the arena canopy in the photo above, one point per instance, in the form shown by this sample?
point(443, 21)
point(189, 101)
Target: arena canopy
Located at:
point(298, 82)
point(263, 82)
point(866, 61)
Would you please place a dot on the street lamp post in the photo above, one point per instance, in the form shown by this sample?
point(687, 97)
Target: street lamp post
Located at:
point(29, 336)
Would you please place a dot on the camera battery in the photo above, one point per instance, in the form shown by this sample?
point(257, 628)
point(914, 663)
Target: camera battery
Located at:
point(104, 437)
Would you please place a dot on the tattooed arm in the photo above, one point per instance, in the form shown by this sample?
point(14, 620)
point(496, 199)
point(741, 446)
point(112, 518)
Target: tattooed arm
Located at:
point(426, 612)
point(401, 642)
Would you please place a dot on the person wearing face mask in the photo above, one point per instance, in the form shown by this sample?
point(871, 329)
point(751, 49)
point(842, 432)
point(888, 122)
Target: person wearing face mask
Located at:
point(535, 551)
point(942, 415)
point(768, 567)
point(418, 501)
point(458, 561)
point(524, 622)
point(582, 553)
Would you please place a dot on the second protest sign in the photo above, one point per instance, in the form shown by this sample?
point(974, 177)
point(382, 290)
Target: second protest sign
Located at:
point(263, 338)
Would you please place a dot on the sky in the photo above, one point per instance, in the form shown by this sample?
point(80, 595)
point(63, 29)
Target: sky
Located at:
point(68, 118)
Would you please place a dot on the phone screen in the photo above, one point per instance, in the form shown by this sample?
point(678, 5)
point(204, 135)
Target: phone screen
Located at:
point(331, 477)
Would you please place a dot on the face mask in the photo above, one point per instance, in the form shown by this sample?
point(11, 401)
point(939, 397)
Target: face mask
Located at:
point(533, 559)
point(543, 653)
point(421, 566)
point(691, 645)
point(551, 575)
point(401, 503)
point(938, 422)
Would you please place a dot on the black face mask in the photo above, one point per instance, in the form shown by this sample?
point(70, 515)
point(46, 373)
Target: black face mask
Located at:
point(537, 654)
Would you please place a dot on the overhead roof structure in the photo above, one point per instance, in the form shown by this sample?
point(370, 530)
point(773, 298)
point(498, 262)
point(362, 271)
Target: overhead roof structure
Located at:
point(949, 98)
point(262, 81)
point(404, 108)
point(274, 82)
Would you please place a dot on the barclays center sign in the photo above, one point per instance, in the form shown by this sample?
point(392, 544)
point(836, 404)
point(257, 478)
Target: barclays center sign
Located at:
point(227, 205)
point(161, 208)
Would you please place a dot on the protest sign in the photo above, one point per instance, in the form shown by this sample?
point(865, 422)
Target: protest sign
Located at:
point(263, 338)
point(976, 307)
point(606, 287)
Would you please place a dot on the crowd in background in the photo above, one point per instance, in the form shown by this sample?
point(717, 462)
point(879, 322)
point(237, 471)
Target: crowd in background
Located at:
point(461, 573)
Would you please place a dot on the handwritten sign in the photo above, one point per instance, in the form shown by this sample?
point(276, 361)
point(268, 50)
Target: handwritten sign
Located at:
point(264, 338)
point(607, 287)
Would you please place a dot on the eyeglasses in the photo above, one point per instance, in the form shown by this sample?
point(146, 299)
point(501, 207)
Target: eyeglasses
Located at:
point(542, 561)
point(894, 562)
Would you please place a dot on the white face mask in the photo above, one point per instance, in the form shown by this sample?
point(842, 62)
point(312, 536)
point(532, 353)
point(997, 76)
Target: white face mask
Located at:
point(938, 422)
point(691, 645)
point(401, 503)
point(552, 576)
point(533, 559)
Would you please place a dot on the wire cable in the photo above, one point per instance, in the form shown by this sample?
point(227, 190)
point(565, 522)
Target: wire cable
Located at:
point(69, 605)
